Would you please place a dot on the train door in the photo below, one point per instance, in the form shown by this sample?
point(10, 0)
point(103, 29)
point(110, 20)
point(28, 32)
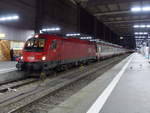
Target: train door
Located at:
point(54, 50)
point(58, 51)
point(98, 51)
point(64, 51)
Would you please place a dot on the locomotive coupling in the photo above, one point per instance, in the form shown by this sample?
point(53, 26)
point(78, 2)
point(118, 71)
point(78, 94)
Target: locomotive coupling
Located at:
point(20, 66)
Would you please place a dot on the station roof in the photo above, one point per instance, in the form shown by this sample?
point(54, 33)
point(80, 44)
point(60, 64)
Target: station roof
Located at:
point(117, 15)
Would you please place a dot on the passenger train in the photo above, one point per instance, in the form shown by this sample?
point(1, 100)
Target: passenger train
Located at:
point(48, 51)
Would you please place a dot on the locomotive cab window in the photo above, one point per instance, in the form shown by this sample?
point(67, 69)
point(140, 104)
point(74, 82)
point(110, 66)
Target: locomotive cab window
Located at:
point(53, 44)
point(35, 44)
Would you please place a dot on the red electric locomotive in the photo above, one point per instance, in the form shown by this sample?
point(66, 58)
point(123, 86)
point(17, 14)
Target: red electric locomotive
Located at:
point(45, 51)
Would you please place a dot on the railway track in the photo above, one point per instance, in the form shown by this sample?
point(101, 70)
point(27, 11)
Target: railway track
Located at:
point(10, 86)
point(34, 96)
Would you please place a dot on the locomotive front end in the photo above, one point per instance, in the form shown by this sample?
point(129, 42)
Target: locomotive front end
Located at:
point(34, 55)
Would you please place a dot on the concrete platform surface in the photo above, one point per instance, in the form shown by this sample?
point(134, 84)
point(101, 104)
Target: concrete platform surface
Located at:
point(7, 66)
point(123, 89)
point(8, 72)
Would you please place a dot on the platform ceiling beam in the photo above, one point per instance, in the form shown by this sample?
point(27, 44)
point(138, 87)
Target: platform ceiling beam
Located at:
point(128, 21)
point(105, 2)
point(112, 13)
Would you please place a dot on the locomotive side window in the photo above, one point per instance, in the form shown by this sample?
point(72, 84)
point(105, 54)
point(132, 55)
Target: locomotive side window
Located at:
point(53, 44)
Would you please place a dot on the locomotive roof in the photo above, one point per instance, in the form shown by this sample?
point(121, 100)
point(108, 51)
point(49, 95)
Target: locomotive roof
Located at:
point(56, 36)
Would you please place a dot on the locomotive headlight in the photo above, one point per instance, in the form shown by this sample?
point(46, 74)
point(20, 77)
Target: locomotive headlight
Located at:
point(21, 57)
point(44, 58)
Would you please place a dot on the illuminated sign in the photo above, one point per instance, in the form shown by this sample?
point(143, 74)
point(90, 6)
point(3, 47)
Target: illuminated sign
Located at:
point(2, 36)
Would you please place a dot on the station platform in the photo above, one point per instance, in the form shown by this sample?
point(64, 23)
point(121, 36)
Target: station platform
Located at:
point(123, 89)
point(7, 66)
point(8, 72)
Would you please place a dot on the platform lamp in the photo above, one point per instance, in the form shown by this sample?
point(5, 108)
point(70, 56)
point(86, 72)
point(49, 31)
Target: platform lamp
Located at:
point(121, 40)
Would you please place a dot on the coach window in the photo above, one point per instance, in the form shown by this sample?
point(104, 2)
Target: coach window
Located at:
point(53, 44)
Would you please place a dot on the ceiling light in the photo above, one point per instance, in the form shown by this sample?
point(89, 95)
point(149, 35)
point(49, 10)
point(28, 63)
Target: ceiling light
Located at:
point(89, 37)
point(140, 9)
point(136, 9)
point(141, 33)
point(121, 38)
point(136, 26)
point(147, 25)
point(15, 17)
point(145, 33)
point(74, 34)
point(44, 30)
point(2, 19)
point(57, 28)
point(94, 40)
point(146, 9)
point(86, 38)
point(142, 26)
point(50, 29)
point(9, 18)
point(136, 33)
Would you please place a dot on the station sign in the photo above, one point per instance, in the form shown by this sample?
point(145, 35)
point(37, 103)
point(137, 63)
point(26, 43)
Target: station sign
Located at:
point(2, 36)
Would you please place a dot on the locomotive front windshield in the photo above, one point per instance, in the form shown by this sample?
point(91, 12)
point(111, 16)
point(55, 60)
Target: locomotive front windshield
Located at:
point(35, 45)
